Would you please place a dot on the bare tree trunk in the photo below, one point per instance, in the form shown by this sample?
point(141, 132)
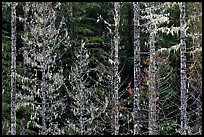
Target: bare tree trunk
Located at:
point(71, 21)
point(152, 122)
point(136, 108)
point(81, 108)
point(43, 87)
point(81, 94)
point(13, 68)
point(25, 47)
point(112, 89)
point(183, 76)
point(43, 90)
point(116, 73)
point(22, 126)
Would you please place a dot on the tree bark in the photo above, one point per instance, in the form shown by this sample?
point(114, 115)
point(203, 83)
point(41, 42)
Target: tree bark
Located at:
point(152, 122)
point(115, 111)
point(136, 108)
point(25, 47)
point(183, 76)
point(81, 94)
point(43, 90)
point(22, 126)
point(13, 68)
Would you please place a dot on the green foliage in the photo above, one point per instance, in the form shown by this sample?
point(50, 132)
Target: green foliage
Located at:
point(167, 126)
point(82, 22)
point(6, 65)
point(6, 57)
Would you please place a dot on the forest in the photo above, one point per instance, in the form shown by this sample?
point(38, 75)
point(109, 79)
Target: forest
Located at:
point(102, 68)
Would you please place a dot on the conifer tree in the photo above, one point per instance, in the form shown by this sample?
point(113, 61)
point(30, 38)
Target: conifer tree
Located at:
point(41, 89)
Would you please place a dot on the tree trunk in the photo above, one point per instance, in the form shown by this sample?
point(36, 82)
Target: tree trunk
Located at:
point(43, 87)
point(136, 108)
point(43, 90)
point(116, 73)
point(71, 22)
point(13, 68)
point(81, 94)
point(22, 126)
point(183, 76)
point(152, 122)
point(25, 47)
point(112, 94)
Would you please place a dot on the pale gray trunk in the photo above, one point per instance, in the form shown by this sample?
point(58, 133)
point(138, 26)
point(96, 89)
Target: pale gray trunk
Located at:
point(13, 68)
point(22, 126)
point(152, 122)
point(81, 94)
point(136, 108)
point(44, 127)
point(43, 91)
point(112, 89)
point(22, 129)
point(183, 76)
point(71, 21)
point(81, 108)
point(25, 47)
point(111, 95)
point(116, 73)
